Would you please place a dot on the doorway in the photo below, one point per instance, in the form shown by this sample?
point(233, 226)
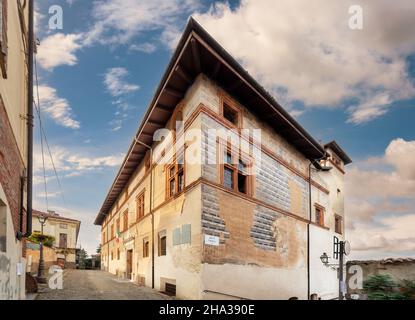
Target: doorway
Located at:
point(129, 263)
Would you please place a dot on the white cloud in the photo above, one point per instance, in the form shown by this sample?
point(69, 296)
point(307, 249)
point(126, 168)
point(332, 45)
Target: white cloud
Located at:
point(308, 52)
point(380, 204)
point(69, 163)
point(115, 83)
point(145, 47)
point(118, 21)
point(59, 49)
point(56, 107)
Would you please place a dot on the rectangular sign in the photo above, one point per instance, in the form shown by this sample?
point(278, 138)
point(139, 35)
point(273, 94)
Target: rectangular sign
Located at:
point(211, 240)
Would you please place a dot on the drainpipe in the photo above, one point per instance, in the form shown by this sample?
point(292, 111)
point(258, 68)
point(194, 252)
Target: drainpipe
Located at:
point(151, 207)
point(29, 120)
point(308, 224)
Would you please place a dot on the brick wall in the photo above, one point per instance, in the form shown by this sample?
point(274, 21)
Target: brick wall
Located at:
point(11, 166)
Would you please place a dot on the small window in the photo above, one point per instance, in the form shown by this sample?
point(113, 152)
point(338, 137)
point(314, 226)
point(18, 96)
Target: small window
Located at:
point(3, 227)
point(3, 38)
point(112, 231)
point(126, 220)
point(231, 114)
point(175, 175)
point(118, 254)
point(146, 248)
point(140, 206)
point(162, 243)
point(319, 215)
point(338, 224)
point(235, 176)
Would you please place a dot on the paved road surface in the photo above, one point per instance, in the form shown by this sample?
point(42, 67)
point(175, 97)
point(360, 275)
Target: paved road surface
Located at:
point(98, 285)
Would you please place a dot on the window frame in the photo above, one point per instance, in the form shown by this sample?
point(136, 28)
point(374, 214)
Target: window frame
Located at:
point(179, 170)
point(161, 252)
point(146, 247)
point(338, 224)
point(140, 205)
point(322, 210)
point(125, 220)
point(225, 150)
point(235, 108)
point(4, 37)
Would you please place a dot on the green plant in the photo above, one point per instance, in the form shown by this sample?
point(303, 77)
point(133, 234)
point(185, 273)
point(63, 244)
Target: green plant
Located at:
point(47, 240)
point(408, 289)
point(382, 287)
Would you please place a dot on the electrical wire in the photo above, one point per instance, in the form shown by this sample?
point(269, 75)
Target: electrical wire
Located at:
point(43, 137)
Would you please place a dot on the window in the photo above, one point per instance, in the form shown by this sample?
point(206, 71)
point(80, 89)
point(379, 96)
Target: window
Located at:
point(175, 175)
point(235, 174)
point(118, 225)
point(319, 215)
point(112, 256)
point(231, 114)
point(3, 227)
point(140, 206)
point(3, 38)
point(112, 231)
point(125, 220)
point(103, 237)
point(146, 248)
point(63, 226)
point(118, 254)
point(338, 224)
point(63, 240)
point(162, 243)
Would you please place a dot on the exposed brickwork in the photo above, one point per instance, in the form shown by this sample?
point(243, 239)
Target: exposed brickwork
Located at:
point(249, 233)
point(11, 166)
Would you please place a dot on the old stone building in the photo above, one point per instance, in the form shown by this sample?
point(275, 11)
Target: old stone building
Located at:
point(14, 145)
point(214, 197)
point(65, 232)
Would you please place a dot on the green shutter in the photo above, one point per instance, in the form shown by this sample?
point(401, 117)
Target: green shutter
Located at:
point(176, 236)
point(186, 233)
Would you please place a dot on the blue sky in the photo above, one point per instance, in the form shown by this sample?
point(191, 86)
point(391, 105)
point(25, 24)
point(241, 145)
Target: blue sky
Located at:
point(99, 72)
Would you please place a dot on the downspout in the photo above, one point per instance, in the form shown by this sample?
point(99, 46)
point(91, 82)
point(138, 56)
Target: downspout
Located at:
point(151, 208)
point(308, 224)
point(29, 119)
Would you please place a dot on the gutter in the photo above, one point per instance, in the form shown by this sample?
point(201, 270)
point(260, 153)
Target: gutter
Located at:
point(151, 207)
point(29, 122)
point(308, 224)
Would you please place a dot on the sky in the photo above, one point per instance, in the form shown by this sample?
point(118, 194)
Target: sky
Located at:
point(353, 83)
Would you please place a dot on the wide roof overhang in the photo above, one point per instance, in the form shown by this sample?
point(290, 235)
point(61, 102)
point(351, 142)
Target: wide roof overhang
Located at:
point(197, 52)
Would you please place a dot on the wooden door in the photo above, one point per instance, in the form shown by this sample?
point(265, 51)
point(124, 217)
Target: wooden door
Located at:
point(129, 263)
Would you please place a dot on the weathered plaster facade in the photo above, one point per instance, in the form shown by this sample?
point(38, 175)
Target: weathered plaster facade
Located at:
point(13, 147)
point(65, 231)
point(262, 250)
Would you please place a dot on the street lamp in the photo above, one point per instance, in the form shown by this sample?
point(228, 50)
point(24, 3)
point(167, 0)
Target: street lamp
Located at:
point(41, 271)
point(341, 248)
point(324, 259)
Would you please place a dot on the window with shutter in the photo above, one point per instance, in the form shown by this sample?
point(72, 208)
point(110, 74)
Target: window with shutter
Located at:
point(3, 37)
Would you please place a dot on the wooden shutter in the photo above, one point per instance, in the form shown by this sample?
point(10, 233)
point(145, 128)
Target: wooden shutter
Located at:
point(3, 37)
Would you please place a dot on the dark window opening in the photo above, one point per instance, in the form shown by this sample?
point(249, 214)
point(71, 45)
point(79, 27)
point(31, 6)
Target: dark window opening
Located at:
point(162, 245)
point(146, 247)
point(338, 224)
point(230, 114)
point(170, 289)
point(319, 216)
point(241, 183)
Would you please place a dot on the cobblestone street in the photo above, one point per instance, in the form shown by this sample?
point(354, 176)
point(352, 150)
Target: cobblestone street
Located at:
point(98, 285)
